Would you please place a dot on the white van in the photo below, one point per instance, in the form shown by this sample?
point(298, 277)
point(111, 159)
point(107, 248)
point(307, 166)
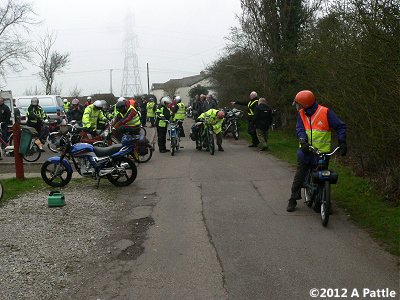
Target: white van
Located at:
point(52, 105)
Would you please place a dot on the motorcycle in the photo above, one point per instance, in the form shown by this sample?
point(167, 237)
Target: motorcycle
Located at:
point(174, 136)
point(317, 186)
point(89, 161)
point(231, 122)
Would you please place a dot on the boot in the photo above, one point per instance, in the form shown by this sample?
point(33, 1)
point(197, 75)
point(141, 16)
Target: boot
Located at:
point(291, 205)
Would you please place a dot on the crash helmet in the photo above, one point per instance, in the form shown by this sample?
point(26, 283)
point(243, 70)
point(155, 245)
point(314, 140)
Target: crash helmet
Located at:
point(35, 101)
point(89, 99)
point(178, 99)
point(120, 99)
point(166, 100)
point(98, 104)
point(121, 106)
point(65, 100)
point(305, 98)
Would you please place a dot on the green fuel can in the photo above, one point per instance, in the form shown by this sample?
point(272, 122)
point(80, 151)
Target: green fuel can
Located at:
point(55, 199)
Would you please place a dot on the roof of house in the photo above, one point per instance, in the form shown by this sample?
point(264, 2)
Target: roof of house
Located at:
point(183, 82)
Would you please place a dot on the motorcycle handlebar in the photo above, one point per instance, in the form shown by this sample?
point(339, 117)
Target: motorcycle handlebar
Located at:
point(316, 151)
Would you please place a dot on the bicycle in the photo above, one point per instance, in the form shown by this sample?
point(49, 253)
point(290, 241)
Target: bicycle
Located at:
point(33, 152)
point(174, 135)
point(317, 186)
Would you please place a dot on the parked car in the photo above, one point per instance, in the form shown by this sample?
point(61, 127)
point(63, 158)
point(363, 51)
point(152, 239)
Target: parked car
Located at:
point(52, 105)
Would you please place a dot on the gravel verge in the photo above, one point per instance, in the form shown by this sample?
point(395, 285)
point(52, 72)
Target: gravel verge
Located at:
point(42, 248)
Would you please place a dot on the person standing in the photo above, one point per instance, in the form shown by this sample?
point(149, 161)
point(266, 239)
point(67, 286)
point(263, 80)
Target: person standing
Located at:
point(5, 117)
point(162, 114)
point(151, 108)
point(143, 111)
point(251, 104)
point(314, 125)
point(262, 120)
point(178, 113)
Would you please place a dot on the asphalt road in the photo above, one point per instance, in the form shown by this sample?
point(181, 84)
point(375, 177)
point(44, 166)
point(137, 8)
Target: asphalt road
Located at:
point(216, 227)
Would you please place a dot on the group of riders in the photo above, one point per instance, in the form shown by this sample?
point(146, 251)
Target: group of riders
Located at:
point(314, 123)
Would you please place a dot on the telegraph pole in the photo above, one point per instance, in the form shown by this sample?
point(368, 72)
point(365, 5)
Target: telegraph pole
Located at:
point(111, 81)
point(148, 81)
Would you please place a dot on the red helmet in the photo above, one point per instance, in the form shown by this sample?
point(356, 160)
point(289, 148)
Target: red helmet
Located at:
point(220, 114)
point(305, 98)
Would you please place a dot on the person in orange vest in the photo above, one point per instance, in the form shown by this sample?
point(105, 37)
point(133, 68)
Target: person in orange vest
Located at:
point(314, 125)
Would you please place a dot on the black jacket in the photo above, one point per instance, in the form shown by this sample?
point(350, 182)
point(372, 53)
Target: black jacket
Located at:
point(246, 103)
point(5, 114)
point(262, 116)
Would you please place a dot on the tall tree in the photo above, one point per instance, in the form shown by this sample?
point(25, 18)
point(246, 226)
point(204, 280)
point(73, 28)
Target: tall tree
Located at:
point(50, 62)
point(15, 18)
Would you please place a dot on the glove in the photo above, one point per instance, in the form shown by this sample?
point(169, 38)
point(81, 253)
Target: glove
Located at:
point(343, 148)
point(304, 146)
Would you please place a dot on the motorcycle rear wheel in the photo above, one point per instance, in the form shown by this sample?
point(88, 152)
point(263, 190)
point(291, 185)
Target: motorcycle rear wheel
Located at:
point(55, 177)
point(236, 132)
point(146, 157)
point(53, 139)
point(130, 171)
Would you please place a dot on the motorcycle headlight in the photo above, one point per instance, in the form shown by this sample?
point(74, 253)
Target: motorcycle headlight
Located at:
point(326, 173)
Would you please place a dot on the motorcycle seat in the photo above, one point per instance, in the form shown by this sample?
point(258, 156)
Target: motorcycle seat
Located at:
point(107, 151)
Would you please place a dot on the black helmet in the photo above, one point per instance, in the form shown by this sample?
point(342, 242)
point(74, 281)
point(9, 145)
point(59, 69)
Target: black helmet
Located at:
point(121, 106)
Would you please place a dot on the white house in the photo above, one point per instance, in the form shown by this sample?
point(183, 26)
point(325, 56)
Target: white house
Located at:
point(182, 87)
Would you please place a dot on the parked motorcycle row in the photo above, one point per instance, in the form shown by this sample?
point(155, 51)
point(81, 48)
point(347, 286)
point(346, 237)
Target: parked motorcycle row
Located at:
point(96, 157)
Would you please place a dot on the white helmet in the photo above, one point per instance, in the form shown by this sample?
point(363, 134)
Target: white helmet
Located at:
point(178, 99)
point(35, 101)
point(65, 100)
point(98, 104)
point(104, 103)
point(121, 99)
point(166, 100)
point(89, 98)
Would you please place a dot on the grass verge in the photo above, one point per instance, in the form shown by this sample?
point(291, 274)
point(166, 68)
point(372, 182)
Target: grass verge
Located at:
point(355, 195)
point(14, 187)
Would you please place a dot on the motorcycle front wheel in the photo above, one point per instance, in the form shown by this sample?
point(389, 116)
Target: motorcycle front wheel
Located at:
point(173, 145)
point(236, 132)
point(55, 174)
point(211, 144)
point(125, 172)
point(325, 203)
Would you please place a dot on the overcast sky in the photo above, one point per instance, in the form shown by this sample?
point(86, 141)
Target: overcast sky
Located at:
point(178, 38)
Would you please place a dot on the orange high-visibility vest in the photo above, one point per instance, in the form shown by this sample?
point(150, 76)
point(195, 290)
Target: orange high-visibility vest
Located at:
point(317, 128)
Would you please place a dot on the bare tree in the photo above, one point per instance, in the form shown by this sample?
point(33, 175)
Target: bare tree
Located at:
point(50, 62)
point(75, 92)
point(33, 91)
point(15, 18)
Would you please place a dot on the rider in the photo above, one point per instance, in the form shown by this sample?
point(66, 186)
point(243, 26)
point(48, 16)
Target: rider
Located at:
point(36, 119)
point(178, 112)
point(88, 101)
point(127, 119)
point(251, 104)
point(215, 118)
point(66, 105)
point(314, 125)
point(151, 108)
point(162, 114)
point(91, 115)
point(75, 111)
point(143, 111)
